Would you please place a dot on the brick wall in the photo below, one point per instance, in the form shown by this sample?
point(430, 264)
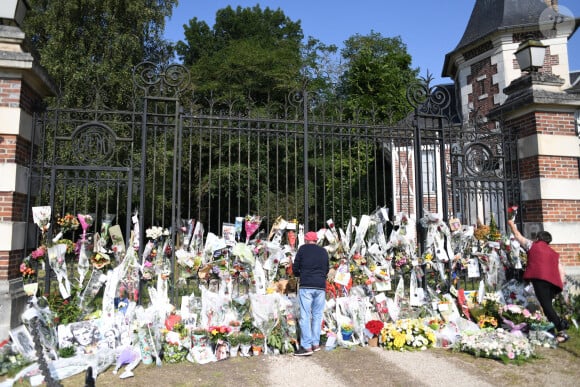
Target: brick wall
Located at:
point(12, 206)
point(14, 149)
point(482, 86)
point(10, 92)
point(569, 254)
point(545, 210)
point(10, 264)
point(549, 166)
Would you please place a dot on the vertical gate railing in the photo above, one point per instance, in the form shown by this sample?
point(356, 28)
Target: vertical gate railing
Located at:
point(82, 163)
point(170, 165)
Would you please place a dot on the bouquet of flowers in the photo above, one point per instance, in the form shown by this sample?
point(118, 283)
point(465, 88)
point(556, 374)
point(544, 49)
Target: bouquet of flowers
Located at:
point(174, 347)
point(252, 223)
point(374, 327)
point(67, 223)
point(514, 317)
point(155, 232)
point(538, 322)
point(217, 333)
point(514, 313)
point(496, 344)
point(41, 217)
point(147, 270)
point(512, 212)
point(27, 271)
point(86, 221)
point(100, 260)
point(407, 334)
point(485, 321)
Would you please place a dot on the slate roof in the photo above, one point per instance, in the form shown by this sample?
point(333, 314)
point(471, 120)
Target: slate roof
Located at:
point(575, 82)
point(490, 16)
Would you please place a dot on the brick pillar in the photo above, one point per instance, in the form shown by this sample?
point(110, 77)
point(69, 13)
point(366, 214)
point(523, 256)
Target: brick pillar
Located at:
point(23, 84)
point(543, 116)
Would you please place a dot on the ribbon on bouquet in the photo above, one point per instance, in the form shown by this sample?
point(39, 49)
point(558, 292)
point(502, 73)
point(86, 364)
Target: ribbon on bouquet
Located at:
point(515, 329)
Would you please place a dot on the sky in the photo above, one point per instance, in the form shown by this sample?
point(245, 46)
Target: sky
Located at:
point(429, 28)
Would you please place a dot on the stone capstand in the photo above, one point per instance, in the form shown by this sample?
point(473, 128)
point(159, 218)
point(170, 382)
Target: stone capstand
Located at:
point(23, 85)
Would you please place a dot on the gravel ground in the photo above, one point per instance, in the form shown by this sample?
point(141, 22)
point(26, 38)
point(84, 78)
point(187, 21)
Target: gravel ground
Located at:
point(358, 367)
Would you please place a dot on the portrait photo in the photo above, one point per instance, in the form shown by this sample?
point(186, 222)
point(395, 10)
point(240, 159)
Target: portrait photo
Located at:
point(22, 342)
point(84, 335)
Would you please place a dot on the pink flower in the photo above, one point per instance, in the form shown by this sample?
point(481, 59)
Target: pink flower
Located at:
point(148, 264)
point(511, 355)
point(38, 253)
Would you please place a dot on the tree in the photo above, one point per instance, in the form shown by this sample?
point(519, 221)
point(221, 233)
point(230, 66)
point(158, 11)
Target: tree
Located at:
point(89, 47)
point(250, 55)
point(378, 71)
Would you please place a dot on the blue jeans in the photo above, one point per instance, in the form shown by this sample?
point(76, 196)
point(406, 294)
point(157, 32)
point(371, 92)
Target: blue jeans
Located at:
point(312, 303)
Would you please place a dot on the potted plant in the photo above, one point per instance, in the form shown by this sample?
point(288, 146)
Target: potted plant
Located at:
point(245, 340)
point(374, 327)
point(257, 343)
point(346, 331)
point(234, 341)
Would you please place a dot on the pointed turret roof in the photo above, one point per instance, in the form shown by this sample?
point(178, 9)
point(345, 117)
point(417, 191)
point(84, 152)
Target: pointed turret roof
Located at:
point(491, 16)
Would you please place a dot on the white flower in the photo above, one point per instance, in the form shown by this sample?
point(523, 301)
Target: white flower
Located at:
point(155, 232)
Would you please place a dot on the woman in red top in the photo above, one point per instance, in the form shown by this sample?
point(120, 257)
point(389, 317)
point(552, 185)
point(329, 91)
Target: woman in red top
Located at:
point(545, 273)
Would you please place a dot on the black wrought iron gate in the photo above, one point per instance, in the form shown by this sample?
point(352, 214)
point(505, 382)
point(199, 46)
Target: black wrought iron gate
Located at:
point(166, 164)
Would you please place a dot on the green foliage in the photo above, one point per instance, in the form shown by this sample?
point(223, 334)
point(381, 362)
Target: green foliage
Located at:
point(244, 338)
point(66, 352)
point(11, 362)
point(64, 311)
point(90, 47)
point(568, 309)
point(250, 55)
point(378, 73)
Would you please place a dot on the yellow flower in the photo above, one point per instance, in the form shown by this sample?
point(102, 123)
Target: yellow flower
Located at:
point(400, 339)
point(431, 337)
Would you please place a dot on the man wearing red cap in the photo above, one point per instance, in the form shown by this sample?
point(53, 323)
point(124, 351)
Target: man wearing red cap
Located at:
point(311, 265)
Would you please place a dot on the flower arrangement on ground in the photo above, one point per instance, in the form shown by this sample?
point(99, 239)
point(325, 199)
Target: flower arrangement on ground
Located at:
point(346, 328)
point(514, 313)
point(245, 338)
point(217, 333)
point(174, 347)
point(257, 339)
point(537, 321)
point(374, 327)
point(496, 344)
point(407, 334)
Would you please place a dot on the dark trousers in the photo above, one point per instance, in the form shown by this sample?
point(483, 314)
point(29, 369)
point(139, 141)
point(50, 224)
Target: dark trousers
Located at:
point(545, 293)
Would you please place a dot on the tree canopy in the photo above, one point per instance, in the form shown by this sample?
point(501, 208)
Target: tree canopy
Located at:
point(89, 47)
point(378, 71)
point(250, 55)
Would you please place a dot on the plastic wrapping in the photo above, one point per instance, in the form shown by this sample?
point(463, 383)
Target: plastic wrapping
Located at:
point(56, 257)
point(265, 313)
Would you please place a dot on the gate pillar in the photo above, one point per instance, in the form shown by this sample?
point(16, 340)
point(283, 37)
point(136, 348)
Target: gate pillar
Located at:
point(23, 84)
point(544, 117)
